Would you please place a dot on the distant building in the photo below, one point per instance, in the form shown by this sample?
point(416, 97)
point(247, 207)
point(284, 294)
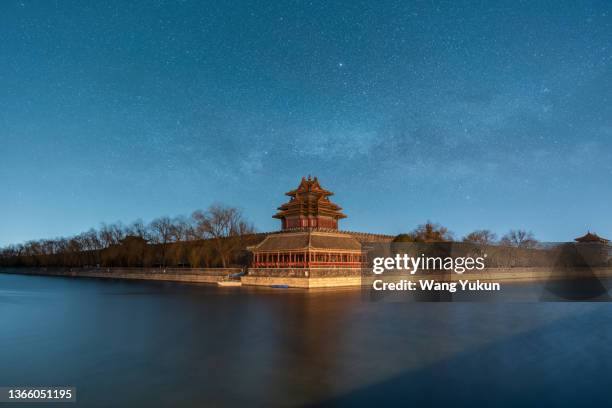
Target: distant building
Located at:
point(591, 238)
point(593, 250)
point(309, 239)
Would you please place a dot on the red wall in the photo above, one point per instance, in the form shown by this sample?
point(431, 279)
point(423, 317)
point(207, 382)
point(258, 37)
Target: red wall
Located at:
point(312, 222)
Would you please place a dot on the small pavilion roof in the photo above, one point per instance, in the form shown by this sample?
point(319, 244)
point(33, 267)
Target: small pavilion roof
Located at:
point(308, 240)
point(591, 237)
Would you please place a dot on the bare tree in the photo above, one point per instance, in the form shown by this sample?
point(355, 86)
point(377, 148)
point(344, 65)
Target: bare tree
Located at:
point(162, 234)
point(431, 232)
point(138, 229)
point(195, 255)
point(118, 231)
point(106, 236)
point(181, 229)
point(482, 237)
point(224, 226)
point(92, 246)
point(519, 239)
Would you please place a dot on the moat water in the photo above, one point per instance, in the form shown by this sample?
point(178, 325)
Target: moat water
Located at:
point(150, 344)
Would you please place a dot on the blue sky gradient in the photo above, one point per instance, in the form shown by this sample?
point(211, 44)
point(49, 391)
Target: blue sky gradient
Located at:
point(473, 114)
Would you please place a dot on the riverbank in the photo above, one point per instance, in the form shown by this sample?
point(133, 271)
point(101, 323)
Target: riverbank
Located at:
point(208, 275)
point(317, 279)
point(313, 279)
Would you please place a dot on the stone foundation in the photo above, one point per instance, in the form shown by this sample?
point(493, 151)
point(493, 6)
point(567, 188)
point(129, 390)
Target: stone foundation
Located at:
point(303, 277)
point(305, 283)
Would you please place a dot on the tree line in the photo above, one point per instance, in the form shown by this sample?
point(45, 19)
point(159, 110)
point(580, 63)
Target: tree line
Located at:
point(216, 237)
point(207, 238)
point(433, 232)
point(517, 248)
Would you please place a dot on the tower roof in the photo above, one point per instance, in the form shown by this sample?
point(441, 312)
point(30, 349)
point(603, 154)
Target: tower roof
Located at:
point(309, 185)
point(309, 199)
point(591, 237)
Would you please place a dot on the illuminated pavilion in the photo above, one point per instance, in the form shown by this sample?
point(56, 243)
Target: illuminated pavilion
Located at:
point(309, 240)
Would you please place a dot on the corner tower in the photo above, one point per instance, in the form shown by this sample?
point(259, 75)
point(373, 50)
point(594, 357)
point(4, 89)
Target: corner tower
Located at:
point(309, 207)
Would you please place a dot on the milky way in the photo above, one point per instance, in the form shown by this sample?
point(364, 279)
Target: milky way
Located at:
point(491, 115)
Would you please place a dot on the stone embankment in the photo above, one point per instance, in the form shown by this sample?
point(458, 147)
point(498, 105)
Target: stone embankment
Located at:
point(312, 278)
point(204, 275)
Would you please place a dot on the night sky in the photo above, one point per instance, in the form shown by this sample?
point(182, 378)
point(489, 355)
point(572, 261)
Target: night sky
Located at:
point(475, 115)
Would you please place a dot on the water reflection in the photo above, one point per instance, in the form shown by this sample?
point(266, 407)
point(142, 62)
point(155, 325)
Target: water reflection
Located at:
point(143, 343)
